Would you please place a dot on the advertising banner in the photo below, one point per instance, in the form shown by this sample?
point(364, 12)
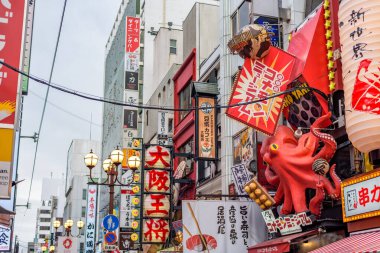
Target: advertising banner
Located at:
point(221, 226)
point(258, 80)
point(361, 196)
point(6, 154)
point(5, 239)
point(90, 219)
point(11, 27)
point(206, 128)
point(244, 146)
point(126, 207)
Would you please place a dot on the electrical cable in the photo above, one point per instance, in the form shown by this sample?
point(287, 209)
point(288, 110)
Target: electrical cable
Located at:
point(64, 110)
point(46, 97)
point(154, 107)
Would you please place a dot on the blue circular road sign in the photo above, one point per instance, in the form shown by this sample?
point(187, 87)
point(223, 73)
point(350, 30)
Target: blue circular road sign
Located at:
point(110, 222)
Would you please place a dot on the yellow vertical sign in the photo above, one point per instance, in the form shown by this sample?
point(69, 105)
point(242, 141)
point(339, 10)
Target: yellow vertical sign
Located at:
point(6, 154)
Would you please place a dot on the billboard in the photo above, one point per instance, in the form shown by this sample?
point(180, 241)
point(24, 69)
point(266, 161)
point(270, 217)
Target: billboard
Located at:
point(221, 226)
point(258, 80)
point(6, 154)
point(5, 239)
point(11, 36)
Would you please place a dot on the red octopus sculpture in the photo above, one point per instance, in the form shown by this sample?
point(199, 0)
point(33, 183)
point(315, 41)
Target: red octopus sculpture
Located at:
point(290, 162)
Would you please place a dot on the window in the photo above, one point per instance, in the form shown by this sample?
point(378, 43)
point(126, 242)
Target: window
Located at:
point(45, 211)
point(83, 211)
point(240, 18)
point(147, 117)
point(185, 101)
point(173, 47)
point(159, 98)
point(45, 220)
point(170, 126)
point(44, 228)
point(164, 92)
point(84, 194)
point(41, 236)
point(187, 148)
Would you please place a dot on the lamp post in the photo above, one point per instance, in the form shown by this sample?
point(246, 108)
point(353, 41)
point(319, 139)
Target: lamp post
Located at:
point(68, 225)
point(52, 248)
point(43, 248)
point(110, 167)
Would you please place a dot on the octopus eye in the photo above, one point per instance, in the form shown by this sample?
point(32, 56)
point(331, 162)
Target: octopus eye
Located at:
point(273, 147)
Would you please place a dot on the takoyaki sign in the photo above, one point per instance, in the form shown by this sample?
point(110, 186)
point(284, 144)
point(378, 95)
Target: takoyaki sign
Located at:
point(221, 226)
point(156, 202)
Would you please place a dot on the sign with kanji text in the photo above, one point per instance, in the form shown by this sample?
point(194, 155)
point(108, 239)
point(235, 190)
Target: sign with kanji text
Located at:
point(258, 80)
point(5, 238)
point(157, 181)
point(90, 219)
point(126, 206)
point(156, 205)
point(156, 230)
point(241, 178)
point(206, 141)
point(157, 157)
point(11, 38)
point(226, 226)
point(361, 196)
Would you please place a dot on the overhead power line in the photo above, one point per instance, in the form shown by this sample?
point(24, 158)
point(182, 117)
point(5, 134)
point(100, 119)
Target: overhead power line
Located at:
point(46, 97)
point(155, 107)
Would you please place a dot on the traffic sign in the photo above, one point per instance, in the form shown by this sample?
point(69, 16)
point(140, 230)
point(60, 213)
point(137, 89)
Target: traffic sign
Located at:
point(110, 222)
point(110, 238)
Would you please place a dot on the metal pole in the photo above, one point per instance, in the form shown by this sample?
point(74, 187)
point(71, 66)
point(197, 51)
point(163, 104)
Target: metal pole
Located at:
point(112, 190)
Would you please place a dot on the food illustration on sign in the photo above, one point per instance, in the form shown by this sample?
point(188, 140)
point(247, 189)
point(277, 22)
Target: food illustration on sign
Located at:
point(206, 148)
point(199, 242)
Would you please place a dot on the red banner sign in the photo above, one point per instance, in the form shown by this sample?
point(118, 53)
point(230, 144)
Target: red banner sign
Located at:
point(11, 30)
point(258, 80)
point(132, 40)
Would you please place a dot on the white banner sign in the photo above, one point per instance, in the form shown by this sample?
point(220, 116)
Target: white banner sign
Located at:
point(162, 123)
point(90, 219)
point(67, 244)
point(131, 97)
point(289, 224)
point(362, 197)
point(126, 207)
point(5, 239)
point(226, 226)
point(5, 180)
point(241, 177)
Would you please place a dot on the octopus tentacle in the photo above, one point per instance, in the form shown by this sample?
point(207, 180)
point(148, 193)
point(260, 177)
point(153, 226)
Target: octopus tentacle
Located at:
point(329, 148)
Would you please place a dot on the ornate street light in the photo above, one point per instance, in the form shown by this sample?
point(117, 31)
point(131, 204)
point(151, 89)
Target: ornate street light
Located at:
point(56, 224)
point(134, 162)
point(110, 167)
point(43, 248)
point(68, 225)
point(52, 248)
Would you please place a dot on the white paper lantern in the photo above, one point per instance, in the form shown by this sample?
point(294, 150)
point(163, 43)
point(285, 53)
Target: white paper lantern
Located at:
point(157, 157)
point(359, 36)
point(156, 205)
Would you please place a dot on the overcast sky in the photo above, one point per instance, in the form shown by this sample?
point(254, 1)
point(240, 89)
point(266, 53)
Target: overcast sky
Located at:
point(79, 65)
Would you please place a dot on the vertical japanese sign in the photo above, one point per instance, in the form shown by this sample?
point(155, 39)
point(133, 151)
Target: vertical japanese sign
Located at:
point(6, 154)
point(91, 219)
point(224, 226)
point(126, 207)
point(132, 59)
point(206, 128)
point(28, 45)
point(5, 239)
point(11, 33)
point(258, 80)
point(156, 198)
point(241, 178)
point(361, 196)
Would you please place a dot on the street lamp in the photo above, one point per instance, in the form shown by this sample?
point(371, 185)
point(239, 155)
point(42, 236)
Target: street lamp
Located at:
point(68, 225)
point(52, 248)
point(110, 167)
point(43, 248)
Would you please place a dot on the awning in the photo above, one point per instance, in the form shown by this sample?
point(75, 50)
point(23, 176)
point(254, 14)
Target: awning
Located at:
point(281, 244)
point(366, 242)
